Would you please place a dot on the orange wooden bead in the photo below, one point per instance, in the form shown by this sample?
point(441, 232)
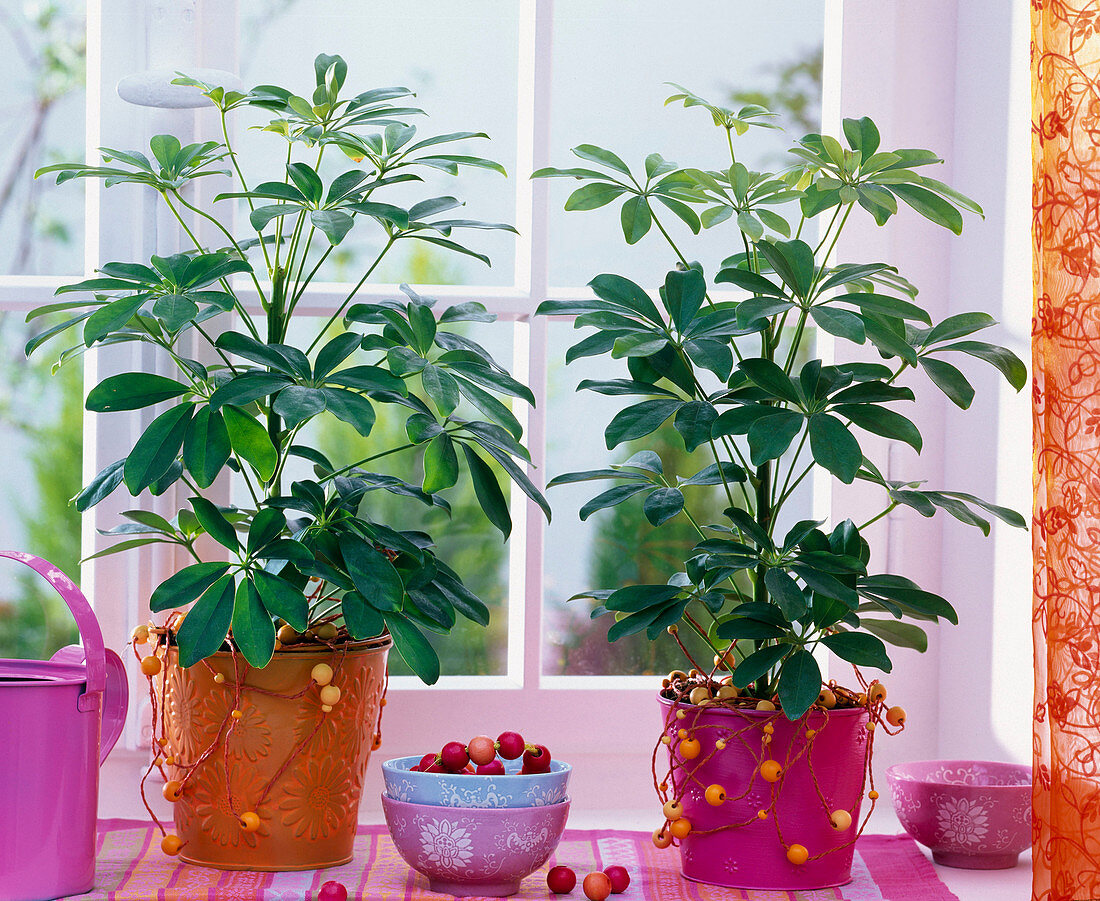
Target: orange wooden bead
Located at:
point(150, 665)
point(681, 828)
point(172, 790)
point(662, 838)
point(715, 795)
point(797, 855)
point(673, 810)
point(689, 749)
point(171, 845)
point(250, 821)
point(770, 770)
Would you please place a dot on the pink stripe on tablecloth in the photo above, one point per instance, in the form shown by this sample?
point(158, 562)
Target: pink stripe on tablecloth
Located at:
point(896, 865)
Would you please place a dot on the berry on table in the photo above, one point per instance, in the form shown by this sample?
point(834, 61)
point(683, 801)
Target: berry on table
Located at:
point(619, 877)
point(454, 756)
point(482, 750)
point(511, 745)
point(332, 891)
point(561, 880)
point(492, 768)
point(597, 886)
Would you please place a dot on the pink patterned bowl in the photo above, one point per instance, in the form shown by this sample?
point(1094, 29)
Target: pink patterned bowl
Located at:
point(471, 850)
point(972, 814)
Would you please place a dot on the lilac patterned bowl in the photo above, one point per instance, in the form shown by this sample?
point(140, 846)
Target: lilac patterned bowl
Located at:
point(972, 814)
point(475, 851)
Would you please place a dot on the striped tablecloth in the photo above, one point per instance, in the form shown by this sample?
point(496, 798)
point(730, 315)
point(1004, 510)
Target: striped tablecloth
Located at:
point(131, 867)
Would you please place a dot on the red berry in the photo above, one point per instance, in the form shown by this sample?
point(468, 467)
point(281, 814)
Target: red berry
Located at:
point(597, 886)
point(619, 877)
point(454, 757)
point(510, 745)
point(494, 768)
point(482, 750)
point(561, 880)
point(332, 891)
point(436, 768)
point(536, 760)
point(426, 761)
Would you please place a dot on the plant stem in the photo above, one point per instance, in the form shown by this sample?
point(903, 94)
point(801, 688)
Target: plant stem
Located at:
point(875, 519)
point(351, 294)
point(350, 466)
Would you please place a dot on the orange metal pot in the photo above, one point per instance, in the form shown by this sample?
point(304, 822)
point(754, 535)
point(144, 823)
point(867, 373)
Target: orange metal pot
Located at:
point(299, 768)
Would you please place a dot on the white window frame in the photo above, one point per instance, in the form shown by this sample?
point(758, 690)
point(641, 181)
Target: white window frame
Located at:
point(183, 33)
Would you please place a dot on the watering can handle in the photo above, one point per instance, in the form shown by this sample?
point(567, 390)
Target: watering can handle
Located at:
point(90, 634)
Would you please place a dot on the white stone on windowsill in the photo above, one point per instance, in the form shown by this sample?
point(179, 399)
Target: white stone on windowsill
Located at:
point(154, 87)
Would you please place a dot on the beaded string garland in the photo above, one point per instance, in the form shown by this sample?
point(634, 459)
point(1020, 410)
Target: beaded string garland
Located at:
point(155, 666)
point(704, 693)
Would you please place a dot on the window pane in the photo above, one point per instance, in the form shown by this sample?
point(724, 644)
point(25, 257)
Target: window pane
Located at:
point(40, 431)
point(460, 59)
point(42, 122)
point(465, 540)
point(615, 547)
point(609, 83)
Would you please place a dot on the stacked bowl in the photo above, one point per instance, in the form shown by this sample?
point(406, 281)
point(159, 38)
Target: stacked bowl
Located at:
point(473, 834)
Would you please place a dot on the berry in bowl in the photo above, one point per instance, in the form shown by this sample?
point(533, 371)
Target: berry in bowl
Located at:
point(474, 851)
point(971, 814)
point(505, 773)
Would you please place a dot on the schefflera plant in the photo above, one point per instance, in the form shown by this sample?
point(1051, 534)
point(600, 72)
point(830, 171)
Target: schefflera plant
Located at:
point(738, 379)
point(243, 408)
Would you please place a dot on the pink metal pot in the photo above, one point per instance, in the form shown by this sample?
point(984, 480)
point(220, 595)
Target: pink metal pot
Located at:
point(52, 714)
point(752, 855)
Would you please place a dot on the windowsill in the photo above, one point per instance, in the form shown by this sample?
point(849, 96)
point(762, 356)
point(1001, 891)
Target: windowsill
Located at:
point(118, 797)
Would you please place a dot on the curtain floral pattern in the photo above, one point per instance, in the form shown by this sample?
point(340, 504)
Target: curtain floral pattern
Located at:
point(1065, 58)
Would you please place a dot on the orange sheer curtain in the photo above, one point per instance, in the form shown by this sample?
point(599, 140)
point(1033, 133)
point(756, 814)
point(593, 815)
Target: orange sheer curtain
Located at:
point(1065, 58)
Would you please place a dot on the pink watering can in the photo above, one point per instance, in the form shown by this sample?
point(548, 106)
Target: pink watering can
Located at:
point(59, 720)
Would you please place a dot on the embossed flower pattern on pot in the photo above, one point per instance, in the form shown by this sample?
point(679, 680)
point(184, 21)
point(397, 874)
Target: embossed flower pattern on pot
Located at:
point(318, 798)
point(249, 737)
point(219, 812)
point(962, 821)
point(446, 843)
point(184, 725)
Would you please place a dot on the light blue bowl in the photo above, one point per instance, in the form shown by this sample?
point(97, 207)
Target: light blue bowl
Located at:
point(468, 790)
